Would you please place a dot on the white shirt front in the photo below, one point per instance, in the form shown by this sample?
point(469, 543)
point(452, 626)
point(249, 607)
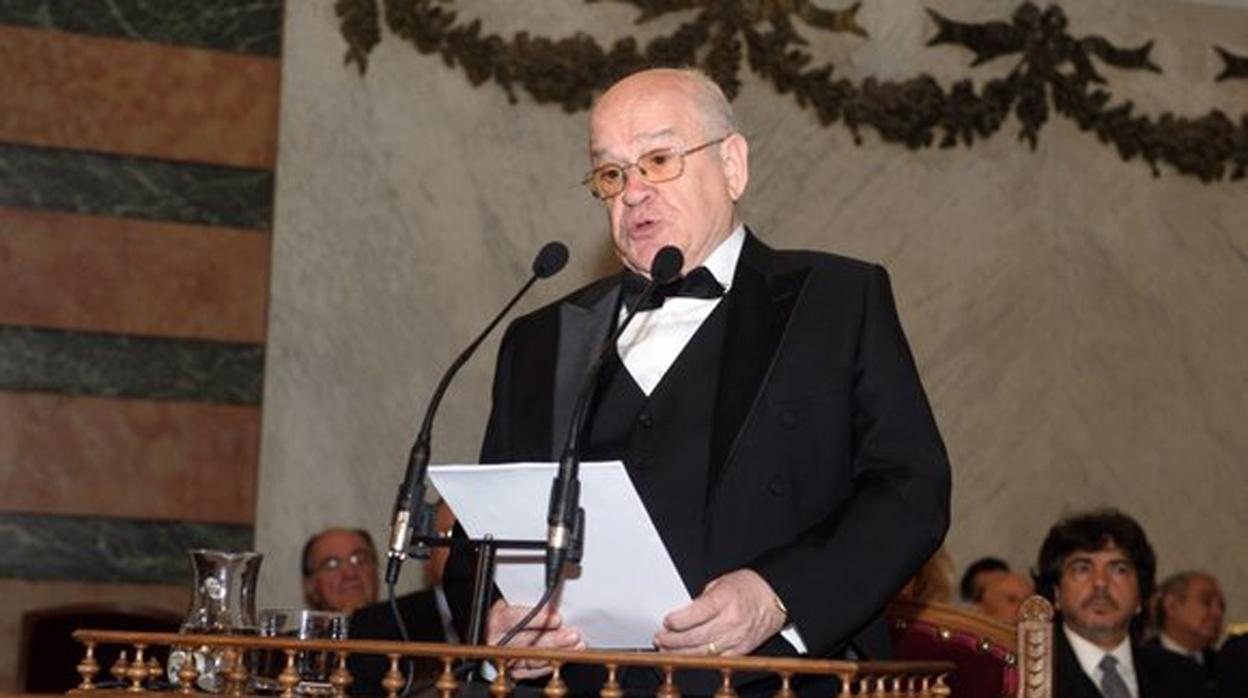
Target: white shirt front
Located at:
point(652, 341)
point(1090, 656)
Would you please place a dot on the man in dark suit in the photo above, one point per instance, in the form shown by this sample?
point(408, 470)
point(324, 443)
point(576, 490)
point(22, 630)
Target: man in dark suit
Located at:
point(772, 420)
point(1097, 569)
point(1188, 612)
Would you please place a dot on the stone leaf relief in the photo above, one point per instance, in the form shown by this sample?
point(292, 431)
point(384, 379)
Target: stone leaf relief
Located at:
point(1054, 75)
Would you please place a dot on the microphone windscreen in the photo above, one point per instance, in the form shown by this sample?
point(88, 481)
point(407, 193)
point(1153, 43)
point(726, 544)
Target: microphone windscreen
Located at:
point(667, 265)
point(550, 259)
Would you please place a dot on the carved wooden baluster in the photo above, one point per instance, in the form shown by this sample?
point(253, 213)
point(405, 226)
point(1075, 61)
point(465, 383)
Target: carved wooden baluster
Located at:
point(725, 689)
point(669, 689)
point(289, 678)
point(237, 674)
point(137, 671)
point(88, 668)
point(154, 670)
point(393, 680)
point(612, 688)
point(118, 669)
point(786, 686)
point(500, 687)
point(187, 674)
point(925, 687)
point(225, 673)
point(447, 683)
point(847, 684)
point(341, 678)
point(556, 687)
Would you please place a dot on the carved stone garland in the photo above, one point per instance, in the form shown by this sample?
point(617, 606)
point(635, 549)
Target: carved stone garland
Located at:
point(1054, 73)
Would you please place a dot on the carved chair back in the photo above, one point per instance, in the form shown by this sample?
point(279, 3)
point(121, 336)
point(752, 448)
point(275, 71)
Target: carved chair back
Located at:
point(992, 658)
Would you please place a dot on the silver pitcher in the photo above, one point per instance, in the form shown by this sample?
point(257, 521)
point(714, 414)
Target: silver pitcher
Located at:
point(223, 602)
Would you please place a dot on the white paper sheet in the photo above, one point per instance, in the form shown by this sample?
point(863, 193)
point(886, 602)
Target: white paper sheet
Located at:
point(627, 581)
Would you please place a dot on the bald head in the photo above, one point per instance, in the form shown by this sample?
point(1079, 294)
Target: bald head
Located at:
point(705, 98)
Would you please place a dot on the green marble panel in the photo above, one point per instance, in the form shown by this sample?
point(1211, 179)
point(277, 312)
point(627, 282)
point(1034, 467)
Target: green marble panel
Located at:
point(103, 549)
point(241, 26)
point(109, 365)
point(76, 181)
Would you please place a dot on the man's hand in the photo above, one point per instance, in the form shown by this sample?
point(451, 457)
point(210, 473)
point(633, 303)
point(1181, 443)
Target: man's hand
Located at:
point(732, 616)
point(545, 630)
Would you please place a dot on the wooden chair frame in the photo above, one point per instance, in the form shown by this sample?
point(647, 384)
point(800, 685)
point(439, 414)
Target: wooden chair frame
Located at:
point(1028, 646)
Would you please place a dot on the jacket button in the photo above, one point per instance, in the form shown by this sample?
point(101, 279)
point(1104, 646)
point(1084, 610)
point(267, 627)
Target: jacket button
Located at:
point(645, 420)
point(788, 419)
point(776, 486)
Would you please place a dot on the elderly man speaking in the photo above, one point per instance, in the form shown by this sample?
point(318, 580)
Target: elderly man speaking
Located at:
point(768, 410)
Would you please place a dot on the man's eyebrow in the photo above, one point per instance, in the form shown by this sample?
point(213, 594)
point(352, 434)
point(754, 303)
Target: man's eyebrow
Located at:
point(661, 134)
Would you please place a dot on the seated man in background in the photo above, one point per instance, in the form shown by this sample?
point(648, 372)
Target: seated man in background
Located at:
point(1098, 569)
point(1188, 612)
point(994, 589)
point(340, 570)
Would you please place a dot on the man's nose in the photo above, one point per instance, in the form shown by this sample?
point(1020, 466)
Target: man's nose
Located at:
point(636, 187)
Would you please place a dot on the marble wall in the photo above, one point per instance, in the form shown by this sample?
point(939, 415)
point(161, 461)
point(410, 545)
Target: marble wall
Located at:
point(137, 148)
point(1076, 319)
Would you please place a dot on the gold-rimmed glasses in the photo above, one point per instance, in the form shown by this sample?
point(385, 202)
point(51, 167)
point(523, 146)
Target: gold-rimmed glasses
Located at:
point(656, 166)
point(356, 559)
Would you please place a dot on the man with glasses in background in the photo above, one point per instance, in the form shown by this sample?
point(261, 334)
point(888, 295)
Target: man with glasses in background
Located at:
point(766, 406)
point(340, 570)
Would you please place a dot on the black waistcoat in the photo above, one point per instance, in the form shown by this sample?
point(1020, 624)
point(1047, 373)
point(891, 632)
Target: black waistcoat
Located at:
point(664, 441)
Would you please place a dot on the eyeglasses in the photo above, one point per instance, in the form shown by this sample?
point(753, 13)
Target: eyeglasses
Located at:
point(357, 559)
point(662, 165)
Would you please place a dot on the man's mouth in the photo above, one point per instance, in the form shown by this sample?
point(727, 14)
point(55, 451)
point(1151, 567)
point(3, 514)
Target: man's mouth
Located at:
point(641, 227)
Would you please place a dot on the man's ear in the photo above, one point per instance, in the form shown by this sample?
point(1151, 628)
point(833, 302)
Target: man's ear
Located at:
point(734, 152)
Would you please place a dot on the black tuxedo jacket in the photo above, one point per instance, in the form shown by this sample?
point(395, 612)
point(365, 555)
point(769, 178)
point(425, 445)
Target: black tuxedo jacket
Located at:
point(827, 474)
point(1160, 674)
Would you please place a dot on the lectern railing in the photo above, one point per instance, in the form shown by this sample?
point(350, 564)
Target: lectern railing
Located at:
point(140, 674)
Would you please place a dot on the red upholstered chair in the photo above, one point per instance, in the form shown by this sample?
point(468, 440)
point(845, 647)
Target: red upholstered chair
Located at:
point(993, 660)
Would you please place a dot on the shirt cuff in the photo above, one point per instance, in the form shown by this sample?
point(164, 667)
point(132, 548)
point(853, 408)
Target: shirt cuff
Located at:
point(791, 636)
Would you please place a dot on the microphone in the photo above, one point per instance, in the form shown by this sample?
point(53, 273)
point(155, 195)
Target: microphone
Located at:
point(565, 518)
point(411, 495)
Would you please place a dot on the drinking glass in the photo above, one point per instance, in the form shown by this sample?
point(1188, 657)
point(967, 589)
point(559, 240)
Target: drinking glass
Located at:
point(314, 666)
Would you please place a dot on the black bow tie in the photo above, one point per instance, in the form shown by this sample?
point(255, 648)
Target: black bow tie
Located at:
point(699, 283)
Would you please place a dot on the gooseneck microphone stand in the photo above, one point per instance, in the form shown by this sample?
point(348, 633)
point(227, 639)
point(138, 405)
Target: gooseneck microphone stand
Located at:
point(411, 532)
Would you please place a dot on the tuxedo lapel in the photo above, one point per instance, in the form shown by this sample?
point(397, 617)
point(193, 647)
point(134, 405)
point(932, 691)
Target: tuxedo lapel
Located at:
point(760, 304)
point(585, 322)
